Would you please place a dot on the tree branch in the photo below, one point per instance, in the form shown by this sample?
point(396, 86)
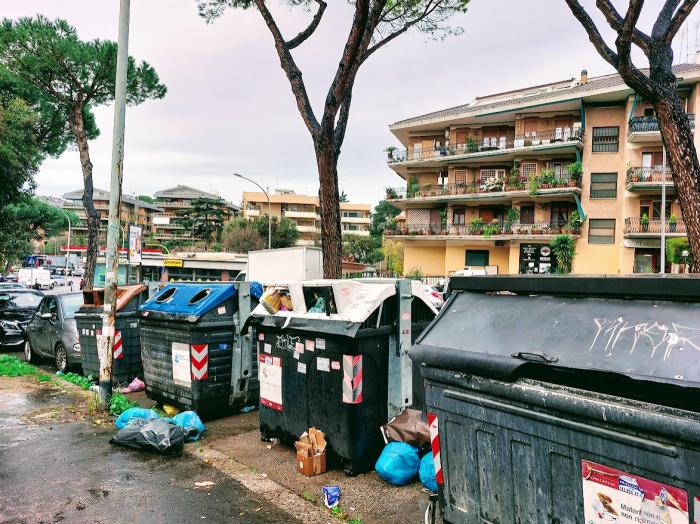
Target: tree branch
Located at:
point(593, 34)
point(678, 19)
point(306, 33)
point(291, 70)
point(663, 21)
point(342, 124)
point(639, 38)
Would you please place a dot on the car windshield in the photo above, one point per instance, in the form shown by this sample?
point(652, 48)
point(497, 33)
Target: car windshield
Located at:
point(9, 300)
point(71, 302)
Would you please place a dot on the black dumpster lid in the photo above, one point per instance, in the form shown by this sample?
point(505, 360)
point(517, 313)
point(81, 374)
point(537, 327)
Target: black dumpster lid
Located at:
point(601, 324)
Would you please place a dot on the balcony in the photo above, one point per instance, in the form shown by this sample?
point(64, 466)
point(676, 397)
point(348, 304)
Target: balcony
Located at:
point(642, 179)
point(309, 215)
point(358, 232)
point(488, 188)
point(355, 220)
point(533, 140)
point(252, 212)
point(309, 229)
point(478, 230)
point(646, 128)
point(636, 227)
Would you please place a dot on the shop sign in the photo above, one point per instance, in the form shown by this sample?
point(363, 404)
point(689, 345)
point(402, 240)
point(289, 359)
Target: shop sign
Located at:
point(173, 262)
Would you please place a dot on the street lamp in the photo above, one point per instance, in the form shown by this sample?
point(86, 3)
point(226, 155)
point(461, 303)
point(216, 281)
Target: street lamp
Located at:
point(269, 209)
point(67, 247)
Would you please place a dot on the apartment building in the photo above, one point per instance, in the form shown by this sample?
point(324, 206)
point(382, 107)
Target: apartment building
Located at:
point(305, 212)
point(492, 182)
point(132, 212)
point(175, 201)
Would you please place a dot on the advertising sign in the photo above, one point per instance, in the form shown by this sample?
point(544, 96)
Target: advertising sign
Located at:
point(611, 495)
point(134, 244)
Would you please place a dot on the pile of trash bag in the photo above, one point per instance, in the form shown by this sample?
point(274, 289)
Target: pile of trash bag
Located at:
point(141, 428)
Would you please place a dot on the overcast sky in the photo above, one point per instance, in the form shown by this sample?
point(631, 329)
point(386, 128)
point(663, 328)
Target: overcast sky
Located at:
point(229, 106)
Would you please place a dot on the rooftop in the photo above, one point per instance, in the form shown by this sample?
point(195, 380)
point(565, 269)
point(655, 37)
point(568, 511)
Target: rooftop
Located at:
point(101, 194)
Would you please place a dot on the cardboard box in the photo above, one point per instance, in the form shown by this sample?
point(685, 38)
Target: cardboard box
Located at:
point(311, 453)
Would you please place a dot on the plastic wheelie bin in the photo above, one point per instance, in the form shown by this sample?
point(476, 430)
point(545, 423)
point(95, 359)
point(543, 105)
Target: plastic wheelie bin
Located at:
point(190, 340)
point(338, 362)
point(126, 359)
point(566, 399)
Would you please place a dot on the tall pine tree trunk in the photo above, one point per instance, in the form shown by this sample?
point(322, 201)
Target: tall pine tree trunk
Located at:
point(331, 242)
point(93, 217)
point(685, 168)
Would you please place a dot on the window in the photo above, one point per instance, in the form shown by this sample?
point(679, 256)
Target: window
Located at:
point(603, 185)
point(560, 214)
point(606, 139)
point(601, 230)
point(648, 111)
point(527, 214)
point(476, 257)
point(460, 176)
point(529, 168)
point(459, 216)
point(652, 208)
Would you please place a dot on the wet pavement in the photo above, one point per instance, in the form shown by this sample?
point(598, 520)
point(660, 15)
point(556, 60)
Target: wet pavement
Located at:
point(52, 471)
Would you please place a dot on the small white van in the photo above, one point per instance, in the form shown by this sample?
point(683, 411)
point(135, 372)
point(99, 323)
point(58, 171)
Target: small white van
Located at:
point(35, 277)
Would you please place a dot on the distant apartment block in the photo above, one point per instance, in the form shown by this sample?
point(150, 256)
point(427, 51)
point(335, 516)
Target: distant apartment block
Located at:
point(492, 182)
point(175, 201)
point(305, 212)
point(132, 212)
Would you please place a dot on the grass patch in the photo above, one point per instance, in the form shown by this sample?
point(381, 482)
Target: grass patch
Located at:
point(118, 404)
point(11, 366)
point(82, 382)
point(355, 520)
point(309, 496)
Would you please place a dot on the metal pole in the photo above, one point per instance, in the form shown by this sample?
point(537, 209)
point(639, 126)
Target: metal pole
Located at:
point(663, 213)
point(106, 339)
point(269, 209)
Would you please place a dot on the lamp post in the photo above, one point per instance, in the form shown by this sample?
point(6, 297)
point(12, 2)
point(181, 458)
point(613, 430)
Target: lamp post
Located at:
point(269, 209)
point(663, 214)
point(68, 246)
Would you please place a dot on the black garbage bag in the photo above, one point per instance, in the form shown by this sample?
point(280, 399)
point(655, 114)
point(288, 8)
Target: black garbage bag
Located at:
point(152, 435)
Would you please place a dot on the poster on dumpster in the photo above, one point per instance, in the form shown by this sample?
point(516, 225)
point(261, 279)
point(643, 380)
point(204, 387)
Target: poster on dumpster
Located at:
point(614, 496)
point(181, 364)
point(270, 376)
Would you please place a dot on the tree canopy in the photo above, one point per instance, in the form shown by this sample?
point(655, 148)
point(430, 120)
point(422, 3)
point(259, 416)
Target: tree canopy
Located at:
point(383, 212)
point(243, 235)
point(205, 219)
point(366, 250)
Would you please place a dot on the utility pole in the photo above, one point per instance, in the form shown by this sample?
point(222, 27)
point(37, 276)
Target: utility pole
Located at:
point(269, 208)
point(68, 247)
point(662, 269)
point(106, 340)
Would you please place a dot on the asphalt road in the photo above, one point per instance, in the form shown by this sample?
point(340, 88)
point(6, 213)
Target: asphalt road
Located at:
point(51, 471)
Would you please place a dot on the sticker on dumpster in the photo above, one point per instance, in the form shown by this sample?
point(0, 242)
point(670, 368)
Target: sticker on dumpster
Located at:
point(261, 336)
point(270, 376)
point(299, 347)
point(134, 325)
point(309, 345)
point(696, 519)
point(405, 316)
point(301, 367)
point(181, 364)
point(323, 364)
point(321, 343)
point(297, 355)
point(268, 348)
point(335, 365)
point(611, 495)
point(221, 310)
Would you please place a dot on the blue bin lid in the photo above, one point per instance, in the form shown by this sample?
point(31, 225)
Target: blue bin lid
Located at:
point(191, 299)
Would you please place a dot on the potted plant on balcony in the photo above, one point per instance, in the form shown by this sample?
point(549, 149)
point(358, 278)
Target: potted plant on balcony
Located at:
point(547, 178)
point(472, 145)
point(576, 172)
point(533, 184)
point(573, 226)
point(672, 222)
point(644, 222)
point(512, 216)
point(391, 194)
point(490, 229)
point(413, 187)
point(443, 220)
point(475, 226)
point(390, 152)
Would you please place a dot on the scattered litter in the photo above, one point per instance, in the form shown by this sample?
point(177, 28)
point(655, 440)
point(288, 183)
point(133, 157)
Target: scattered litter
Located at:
point(204, 484)
point(136, 385)
point(190, 422)
point(268, 447)
point(171, 411)
point(248, 409)
point(134, 413)
point(154, 435)
point(427, 473)
point(398, 464)
point(331, 496)
point(311, 452)
point(408, 427)
point(263, 475)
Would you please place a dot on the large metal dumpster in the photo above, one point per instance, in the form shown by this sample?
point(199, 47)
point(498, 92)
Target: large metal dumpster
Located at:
point(344, 370)
point(193, 355)
point(566, 399)
point(126, 362)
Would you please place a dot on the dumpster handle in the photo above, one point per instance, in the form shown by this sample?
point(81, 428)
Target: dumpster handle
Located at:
point(534, 356)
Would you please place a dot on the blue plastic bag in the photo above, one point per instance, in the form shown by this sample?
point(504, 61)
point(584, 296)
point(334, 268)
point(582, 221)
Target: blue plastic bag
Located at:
point(331, 496)
point(190, 422)
point(427, 472)
point(132, 413)
point(256, 290)
point(398, 464)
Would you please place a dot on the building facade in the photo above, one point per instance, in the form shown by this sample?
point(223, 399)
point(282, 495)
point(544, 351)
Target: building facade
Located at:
point(176, 201)
point(491, 183)
point(305, 212)
point(132, 212)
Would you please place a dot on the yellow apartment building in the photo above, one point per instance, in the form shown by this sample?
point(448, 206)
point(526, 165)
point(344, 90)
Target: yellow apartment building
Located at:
point(492, 182)
point(305, 212)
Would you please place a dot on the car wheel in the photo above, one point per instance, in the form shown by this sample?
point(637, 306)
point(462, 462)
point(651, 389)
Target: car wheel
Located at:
point(61, 358)
point(52, 285)
point(29, 354)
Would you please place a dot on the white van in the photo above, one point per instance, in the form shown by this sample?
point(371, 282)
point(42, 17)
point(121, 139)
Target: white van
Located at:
point(36, 277)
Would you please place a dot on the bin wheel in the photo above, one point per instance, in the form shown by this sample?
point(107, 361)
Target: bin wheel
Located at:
point(351, 469)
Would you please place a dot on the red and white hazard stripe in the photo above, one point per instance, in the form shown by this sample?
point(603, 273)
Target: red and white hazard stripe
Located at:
point(352, 379)
point(435, 446)
point(117, 351)
point(199, 357)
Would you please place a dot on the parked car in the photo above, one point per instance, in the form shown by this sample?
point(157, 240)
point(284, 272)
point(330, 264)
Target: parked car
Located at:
point(17, 307)
point(53, 332)
point(10, 285)
point(435, 296)
point(35, 277)
point(58, 280)
point(10, 277)
point(78, 272)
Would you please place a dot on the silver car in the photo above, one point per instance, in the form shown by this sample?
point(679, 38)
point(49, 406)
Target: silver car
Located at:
point(53, 332)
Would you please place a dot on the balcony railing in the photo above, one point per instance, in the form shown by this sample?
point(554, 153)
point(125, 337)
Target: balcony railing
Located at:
point(652, 226)
point(652, 175)
point(481, 185)
point(650, 124)
point(489, 229)
point(559, 135)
